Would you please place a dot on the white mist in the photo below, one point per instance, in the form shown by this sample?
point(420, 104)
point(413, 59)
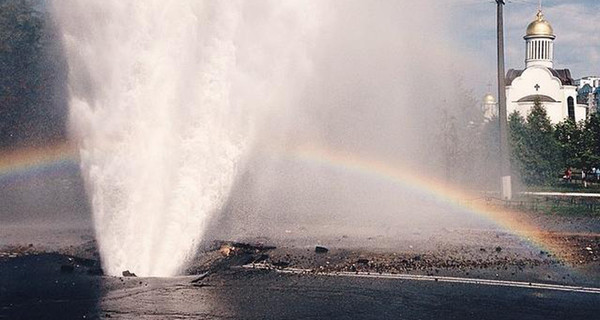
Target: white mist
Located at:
point(168, 98)
point(160, 139)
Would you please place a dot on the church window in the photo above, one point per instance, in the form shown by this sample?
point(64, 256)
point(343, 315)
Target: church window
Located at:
point(544, 55)
point(571, 108)
point(531, 50)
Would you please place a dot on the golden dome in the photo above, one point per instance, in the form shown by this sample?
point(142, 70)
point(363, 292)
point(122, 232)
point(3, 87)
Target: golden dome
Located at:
point(489, 99)
point(540, 27)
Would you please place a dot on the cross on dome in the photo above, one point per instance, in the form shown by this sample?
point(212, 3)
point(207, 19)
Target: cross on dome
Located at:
point(540, 27)
point(540, 15)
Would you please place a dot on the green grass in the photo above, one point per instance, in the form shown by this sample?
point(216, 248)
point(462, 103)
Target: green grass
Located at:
point(557, 206)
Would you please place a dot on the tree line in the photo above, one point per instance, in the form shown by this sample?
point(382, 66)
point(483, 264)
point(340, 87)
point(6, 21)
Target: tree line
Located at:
point(541, 152)
point(33, 107)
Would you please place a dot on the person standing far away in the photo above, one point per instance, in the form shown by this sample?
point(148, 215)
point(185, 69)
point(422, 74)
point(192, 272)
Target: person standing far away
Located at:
point(567, 175)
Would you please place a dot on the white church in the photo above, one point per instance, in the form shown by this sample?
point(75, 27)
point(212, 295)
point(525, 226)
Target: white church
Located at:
point(555, 88)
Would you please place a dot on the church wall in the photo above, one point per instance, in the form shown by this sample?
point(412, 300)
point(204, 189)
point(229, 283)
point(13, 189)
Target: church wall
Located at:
point(557, 112)
point(580, 111)
point(553, 109)
point(549, 85)
point(525, 85)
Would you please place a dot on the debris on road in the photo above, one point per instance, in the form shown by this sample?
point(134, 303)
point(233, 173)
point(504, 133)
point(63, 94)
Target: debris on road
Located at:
point(126, 273)
point(200, 277)
point(321, 249)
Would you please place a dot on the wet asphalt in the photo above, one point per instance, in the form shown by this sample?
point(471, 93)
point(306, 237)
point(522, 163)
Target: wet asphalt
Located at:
point(33, 287)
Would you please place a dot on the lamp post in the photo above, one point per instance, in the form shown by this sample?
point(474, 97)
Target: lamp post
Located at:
point(504, 148)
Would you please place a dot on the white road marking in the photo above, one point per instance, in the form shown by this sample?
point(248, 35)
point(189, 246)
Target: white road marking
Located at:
point(487, 282)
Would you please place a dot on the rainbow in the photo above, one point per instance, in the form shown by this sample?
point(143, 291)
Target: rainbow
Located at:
point(18, 165)
point(405, 176)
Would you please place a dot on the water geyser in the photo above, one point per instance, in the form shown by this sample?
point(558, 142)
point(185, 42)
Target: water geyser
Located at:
point(168, 98)
point(160, 139)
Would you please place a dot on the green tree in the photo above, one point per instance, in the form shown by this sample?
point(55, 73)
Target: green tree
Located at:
point(590, 140)
point(517, 141)
point(569, 138)
point(32, 75)
point(535, 151)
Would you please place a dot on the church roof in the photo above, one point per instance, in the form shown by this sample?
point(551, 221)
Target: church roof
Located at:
point(512, 74)
point(563, 74)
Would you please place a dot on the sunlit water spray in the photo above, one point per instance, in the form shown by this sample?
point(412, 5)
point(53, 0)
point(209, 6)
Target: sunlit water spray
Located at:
point(168, 98)
point(161, 140)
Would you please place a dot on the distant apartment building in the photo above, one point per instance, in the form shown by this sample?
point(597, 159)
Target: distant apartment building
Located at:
point(588, 92)
point(593, 81)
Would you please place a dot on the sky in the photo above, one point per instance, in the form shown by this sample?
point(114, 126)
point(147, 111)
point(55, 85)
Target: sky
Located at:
point(577, 44)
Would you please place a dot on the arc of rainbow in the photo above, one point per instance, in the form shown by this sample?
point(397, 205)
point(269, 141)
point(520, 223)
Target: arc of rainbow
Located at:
point(405, 176)
point(18, 164)
point(30, 162)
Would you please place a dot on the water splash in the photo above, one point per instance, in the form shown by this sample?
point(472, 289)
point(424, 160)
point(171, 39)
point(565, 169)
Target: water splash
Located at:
point(160, 138)
point(167, 97)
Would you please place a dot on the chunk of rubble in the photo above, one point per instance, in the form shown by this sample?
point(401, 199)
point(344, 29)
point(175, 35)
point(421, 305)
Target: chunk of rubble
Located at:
point(126, 273)
point(321, 249)
point(200, 277)
point(234, 248)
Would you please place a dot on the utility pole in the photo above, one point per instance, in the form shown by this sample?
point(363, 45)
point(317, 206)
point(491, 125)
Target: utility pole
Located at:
point(504, 148)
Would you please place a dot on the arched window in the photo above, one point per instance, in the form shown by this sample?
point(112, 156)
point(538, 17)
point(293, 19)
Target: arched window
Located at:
point(571, 108)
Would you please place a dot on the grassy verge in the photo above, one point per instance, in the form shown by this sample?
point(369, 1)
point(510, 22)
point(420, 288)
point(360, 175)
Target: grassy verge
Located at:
point(564, 206)
point(567, 187)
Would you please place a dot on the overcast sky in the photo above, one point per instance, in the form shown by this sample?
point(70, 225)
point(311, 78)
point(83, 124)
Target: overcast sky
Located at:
point(575, 23)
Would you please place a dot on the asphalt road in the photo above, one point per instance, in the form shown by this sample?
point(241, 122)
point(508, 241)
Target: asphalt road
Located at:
point(33, 287)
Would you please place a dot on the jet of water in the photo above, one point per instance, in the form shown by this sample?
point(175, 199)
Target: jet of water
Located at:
point(167, 98)
point(160, 138)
